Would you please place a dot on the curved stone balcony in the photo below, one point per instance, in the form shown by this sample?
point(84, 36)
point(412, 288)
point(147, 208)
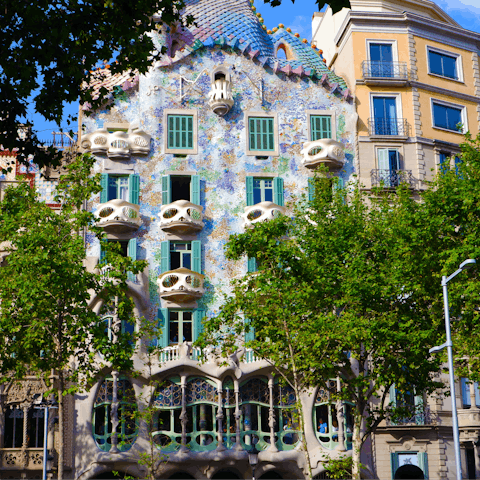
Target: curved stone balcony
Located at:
point(181, 217)
point(327, 151)
point(117, 145)
point(261, 212)
point(220, 97)
point(181, 285)
point(118, 216)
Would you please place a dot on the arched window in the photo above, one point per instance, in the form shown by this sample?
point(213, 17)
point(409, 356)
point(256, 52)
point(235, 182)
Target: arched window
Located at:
point(228, 404)
point(102, 415)
point(254, 406)
point(201, 397)
point(14, 422)
point(326, 421)
point(168, 427)
point(281, 52)
point(286, 417)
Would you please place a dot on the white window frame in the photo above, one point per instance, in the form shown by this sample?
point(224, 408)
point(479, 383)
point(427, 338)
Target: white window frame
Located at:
point(464, 115)
point(399, 149)
point(325, 113)
point(458, 63)
point(181, 151)
point(393, 43)
point(262, 153)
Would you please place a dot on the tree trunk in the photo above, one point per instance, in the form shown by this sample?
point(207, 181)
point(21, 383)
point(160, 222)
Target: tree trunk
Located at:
point(357, 446)
point(61, 423)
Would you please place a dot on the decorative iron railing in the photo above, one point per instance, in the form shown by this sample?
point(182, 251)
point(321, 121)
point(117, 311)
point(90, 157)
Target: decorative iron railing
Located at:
point(385, 70)
point(397, 127)
point(423, 417)
point(392, 178)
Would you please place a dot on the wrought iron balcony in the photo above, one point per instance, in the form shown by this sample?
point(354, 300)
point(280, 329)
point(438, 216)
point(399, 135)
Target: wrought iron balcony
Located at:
point(325, 150)
point(181, 217)
point(392, 178)
point(181, 285)
point(388, 127)
point(423, 417)
point(118, 216)
point(261, 212)
point(384, 71)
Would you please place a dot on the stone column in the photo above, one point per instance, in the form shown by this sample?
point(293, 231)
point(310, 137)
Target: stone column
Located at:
point(220, 417)
point(238, 414)
point(183, 415)
point(473, 402)
point(114, 414)
point(340, 420)
point(25, 434)
point(271, 417)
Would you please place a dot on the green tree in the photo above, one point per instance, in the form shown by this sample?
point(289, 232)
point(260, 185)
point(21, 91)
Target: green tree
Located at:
point(336, 296)
point(45, 290)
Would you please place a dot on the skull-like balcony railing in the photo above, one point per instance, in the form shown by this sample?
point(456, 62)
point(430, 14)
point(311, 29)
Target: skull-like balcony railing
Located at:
point(117, 145)
point(181, 217)
point(181, 285)
point(118, 216)
point(324, 151)
point(261, 212)
point(220, 96)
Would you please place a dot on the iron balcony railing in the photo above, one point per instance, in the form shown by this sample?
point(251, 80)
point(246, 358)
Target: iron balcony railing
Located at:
point(396, 127)
point(423, 417)
point(385, 70)
point(392, 178)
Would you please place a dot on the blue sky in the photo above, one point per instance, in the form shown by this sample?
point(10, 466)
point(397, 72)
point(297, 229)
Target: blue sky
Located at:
point(298, 17)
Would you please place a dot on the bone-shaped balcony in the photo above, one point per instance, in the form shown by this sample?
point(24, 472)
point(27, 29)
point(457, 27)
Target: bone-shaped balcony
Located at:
point(261, 212)
point(117, 145)
point(181, 217)
point(118, 216)
point(220, 97)
point(181, 285)
point(327, 151)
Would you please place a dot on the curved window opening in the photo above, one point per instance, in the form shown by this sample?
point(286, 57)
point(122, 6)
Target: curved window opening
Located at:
point(219, 76)
point(225, 475)
point(102, 415)
point(326, 421)
point(281, 53)
point(272, 474)
point(408, 471)
point(254, 406)
point(167, 433)
point(181, 476)
point(286, 417)
point(201, 396)
point(228, 407)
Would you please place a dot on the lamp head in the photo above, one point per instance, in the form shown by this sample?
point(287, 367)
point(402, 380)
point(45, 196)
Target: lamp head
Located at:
point(468, 264)
point(253, 455)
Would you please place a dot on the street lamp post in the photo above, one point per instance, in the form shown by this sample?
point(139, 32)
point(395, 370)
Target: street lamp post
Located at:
point(456, 437)
point(253, 459)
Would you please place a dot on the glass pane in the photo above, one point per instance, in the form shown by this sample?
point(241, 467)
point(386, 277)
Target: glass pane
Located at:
point(435, 63)
point(449, 66)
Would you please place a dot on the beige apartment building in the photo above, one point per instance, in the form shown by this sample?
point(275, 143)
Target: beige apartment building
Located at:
point(414, 76)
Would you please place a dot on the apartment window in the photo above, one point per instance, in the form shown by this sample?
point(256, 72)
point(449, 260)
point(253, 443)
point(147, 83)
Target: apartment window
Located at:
point(261, 134)
point(178, 326)
point(14, 423)
point(381, 60)
point(261, 189)
point(181, 131)
point(449, 117)
point(386, 112)
point(444, 64)
point(409, 464)
point(102, 415)
point(181, 255)
point(466, 398)
point(320, 127)
point(411, 402)
point(126, 327)
point(180, 187)
point(124, 187)
point(128, 248)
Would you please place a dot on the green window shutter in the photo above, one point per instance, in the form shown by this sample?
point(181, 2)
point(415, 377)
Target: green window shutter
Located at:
point(249, 185)
point(394, 463)
point(320, 127)
point(197, 256)
point(195, 186)
point(250, 335)
point(393, 395)
point(165, 254)
point(252, 265)
point(252, 134)
point(423, 463)
point(104, 185)
point(278, 191)
point(383, 160)
point(198, 315)
point(163, 319)
point(311, 189)
point(261, 134)
point(419, 410)
point(133, 189)
point(180, 131)
point(166, 190)
point(132, 253)
point(103, 254)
